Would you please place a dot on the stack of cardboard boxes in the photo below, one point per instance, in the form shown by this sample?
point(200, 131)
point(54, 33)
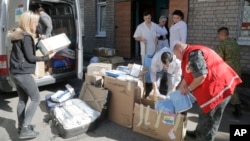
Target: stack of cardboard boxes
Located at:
point(127, 108)
point(108, 55)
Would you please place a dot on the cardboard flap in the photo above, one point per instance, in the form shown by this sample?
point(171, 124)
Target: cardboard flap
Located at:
point(95, 97)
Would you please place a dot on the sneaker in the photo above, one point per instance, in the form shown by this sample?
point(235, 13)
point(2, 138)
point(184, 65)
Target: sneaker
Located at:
point(32, 127)
point(191, 133)
point(27, 133)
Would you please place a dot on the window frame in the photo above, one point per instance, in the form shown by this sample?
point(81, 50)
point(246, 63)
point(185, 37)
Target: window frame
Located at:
point(242, 40)
point(99, 18)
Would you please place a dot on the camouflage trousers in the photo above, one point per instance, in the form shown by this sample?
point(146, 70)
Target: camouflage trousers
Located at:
point(235, 99)
point(209, 123)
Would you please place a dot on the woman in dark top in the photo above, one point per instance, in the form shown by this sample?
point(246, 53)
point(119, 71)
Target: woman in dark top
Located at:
point(22, 66)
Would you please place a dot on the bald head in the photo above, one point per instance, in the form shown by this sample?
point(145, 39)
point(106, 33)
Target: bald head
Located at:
point(179, 49)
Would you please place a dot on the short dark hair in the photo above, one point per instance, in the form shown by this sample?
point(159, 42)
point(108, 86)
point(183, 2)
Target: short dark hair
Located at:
point(179, 13)
point(146, 13)
point(166, 58)
point(223, 30)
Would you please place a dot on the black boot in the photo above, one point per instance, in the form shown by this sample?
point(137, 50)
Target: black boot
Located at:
point(27, 133)
point(237, 110)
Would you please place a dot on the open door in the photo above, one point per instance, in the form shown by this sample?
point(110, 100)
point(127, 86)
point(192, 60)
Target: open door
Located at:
point(178, 5)
point(123, 28)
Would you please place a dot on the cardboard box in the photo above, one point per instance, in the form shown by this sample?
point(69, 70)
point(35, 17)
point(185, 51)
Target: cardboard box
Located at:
point(40, 66)
point(95, 97)
point(94, 80)
point(158, 125)
point(98, 68)
point(114, 60)
point(54, 43)
point(123, 96)
point(104, 52)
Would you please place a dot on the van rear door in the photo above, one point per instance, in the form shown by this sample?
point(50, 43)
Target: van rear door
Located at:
point(79, 40)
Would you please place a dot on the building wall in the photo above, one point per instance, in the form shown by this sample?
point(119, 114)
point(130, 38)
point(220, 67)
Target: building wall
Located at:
point(90, 40)
point(206, 16)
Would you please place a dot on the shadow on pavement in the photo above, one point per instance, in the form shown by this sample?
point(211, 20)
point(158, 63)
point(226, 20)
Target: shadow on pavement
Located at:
point(4, 103)
point(9, 126)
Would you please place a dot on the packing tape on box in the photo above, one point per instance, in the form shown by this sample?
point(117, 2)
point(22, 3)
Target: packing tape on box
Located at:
point(129, 86)
point(144, 117)
point(177, 122)
point(157, 123)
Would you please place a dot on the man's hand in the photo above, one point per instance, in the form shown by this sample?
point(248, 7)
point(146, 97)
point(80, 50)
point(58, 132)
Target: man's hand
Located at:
point(144, 40)
point(184, 89)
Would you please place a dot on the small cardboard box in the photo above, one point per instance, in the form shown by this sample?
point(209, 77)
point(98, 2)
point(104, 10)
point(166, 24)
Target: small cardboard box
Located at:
point(104, 52)
point(54, 43)
point(40, 66)
point(158, 125)
point(97, 68)
point(94, 80)
point(114, 60)
point(123, 96)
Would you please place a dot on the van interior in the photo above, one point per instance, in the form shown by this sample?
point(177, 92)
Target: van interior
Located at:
point(63, 22)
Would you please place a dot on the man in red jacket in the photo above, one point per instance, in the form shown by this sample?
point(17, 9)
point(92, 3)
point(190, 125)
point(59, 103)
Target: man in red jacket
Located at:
point(211, 81)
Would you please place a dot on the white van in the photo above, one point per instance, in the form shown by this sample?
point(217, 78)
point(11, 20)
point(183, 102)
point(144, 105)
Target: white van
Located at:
point(66, 18)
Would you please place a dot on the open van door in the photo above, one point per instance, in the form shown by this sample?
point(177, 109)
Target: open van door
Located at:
point(79, 41)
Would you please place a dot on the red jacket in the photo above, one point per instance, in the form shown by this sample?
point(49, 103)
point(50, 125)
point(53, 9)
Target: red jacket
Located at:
point(220, 82)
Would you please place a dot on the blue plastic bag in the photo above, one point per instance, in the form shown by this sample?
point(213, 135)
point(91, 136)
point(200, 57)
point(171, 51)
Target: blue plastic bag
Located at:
point(147, 64)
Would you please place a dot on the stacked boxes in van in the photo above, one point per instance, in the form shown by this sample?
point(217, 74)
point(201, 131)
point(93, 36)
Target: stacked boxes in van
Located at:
point(108, 55)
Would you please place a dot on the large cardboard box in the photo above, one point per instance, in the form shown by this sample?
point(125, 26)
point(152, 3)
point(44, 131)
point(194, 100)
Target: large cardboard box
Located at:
point(104, 52)
point(54, 43)
point(40, 66)
point(123, 96)
point(158, 125)
point(98, 68)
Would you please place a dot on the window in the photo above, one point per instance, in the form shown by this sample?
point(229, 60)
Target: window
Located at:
point(244, 38)
point(101, 17)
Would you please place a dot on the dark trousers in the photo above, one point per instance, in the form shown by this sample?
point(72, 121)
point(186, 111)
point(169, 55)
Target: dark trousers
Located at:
point(209, 123)
point(26, 88)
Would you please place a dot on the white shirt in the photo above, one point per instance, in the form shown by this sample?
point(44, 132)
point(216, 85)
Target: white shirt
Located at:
point(162, 43)
point(178, 33)
point(174, 68)
point(150, 35)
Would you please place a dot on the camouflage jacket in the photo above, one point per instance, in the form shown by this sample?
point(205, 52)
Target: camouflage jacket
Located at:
point(230, 53)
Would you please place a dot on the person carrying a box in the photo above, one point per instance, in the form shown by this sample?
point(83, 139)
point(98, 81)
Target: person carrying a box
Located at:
point(212, 82)
point(44, 30)
point(22, 67)
point(164, 61)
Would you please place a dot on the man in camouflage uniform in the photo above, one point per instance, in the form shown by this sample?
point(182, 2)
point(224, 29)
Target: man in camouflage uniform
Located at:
point(229, 51)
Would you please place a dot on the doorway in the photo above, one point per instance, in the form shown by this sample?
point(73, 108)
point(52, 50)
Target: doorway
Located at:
point(155, 7)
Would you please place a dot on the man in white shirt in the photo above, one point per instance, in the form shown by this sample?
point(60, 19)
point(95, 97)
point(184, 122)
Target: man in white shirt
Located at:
point(178, 30)
point(146, 34)
point(163, 33)
point(164, 61)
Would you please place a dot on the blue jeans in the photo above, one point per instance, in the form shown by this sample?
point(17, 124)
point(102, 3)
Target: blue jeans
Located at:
point(209, 123)
point(26, 88)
